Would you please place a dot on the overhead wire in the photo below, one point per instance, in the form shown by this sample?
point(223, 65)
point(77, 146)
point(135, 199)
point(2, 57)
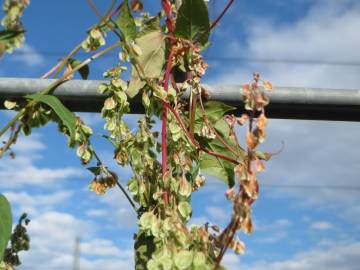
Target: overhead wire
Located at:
point(222, 58)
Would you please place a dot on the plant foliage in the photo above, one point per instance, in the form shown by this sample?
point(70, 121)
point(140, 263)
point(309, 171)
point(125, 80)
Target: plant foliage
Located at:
point(199, 137)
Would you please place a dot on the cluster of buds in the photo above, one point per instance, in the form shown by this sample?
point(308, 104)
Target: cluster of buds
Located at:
point(199, 67)
point(199, 181)
point(188, 56)
point(13, 10)
point(82, 134)
point(94, 40)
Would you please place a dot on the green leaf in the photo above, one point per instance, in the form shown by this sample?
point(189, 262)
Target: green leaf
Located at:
point(218, 167)
point(144, 248)
point(183, 259)
point(9, 34)
point(151, 60)
point(214, 110)
point(111, 140)
point(150, 25)
point(66, 116)
point(185, 209)
point(126, 23)
point(84, 71)
point(192, 22)
point(199, 259)
point(5, 224)
point(95, 170)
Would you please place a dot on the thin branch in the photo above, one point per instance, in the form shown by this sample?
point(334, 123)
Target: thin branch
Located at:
point(51, 71)
point(214, 23)
point(10, 141)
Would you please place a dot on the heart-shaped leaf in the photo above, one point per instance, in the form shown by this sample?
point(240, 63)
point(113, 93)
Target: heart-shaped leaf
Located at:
point(192, 22)
point(151, 60)
point(5, 224)
point(125, 22)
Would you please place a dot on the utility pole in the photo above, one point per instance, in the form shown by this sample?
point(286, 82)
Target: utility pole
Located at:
point(76, 262)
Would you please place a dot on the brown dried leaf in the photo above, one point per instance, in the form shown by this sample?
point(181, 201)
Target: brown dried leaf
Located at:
point(261, 122)
point(137, 5)
point(239, 247)
point(247, 225)
point(267, 85)
point(251, 140)
point(259, 165)
point(242, 120)
point(251, 187)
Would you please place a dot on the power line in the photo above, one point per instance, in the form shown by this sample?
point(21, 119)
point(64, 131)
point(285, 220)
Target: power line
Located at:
point(300, 186)
point(221, 59)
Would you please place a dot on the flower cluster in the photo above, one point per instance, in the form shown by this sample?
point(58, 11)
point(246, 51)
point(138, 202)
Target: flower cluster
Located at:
point(13, 10)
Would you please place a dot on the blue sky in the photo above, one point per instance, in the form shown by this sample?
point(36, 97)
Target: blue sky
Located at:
point(297, 226)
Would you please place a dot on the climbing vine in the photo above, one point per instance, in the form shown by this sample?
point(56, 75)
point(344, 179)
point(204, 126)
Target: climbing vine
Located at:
point(198, 137)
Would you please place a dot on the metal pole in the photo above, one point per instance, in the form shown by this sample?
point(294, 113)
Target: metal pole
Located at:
point(285, 102)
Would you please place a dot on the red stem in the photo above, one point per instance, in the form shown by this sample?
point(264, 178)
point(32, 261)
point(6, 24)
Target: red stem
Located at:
point(115, 11)
point(51, 71)
point(167, 8)
point(192, 139)
point(164, 117)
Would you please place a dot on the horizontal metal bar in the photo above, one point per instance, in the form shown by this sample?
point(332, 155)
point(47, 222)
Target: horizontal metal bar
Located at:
point(285, 102)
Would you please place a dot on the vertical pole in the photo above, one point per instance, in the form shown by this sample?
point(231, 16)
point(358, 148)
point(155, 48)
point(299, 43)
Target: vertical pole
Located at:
point(76, 262)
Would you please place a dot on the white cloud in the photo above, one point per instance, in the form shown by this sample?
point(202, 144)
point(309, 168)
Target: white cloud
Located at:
point(52, 243)
point(340, 256)
point(265, 226)
point(309, 160)
point(321, 225)
point(272, 238)
point(28, 56)
point(316, 153)
point(231, 261)
point(283, 222)
point(33, 204)
point(219, 214)
point(118, 209)
point(325, 34)
point(97, 213)
point(91, 119)
point(21, 171)
point(29, 144)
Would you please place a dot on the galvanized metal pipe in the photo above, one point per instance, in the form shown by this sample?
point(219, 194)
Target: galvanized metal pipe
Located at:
point(285, 102)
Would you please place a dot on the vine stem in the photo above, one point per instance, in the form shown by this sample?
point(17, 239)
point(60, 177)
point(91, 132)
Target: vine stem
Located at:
point(11, 140)
point(78, 47)
point(214, 23)
point(164, 116)
point(51, 71)
point(64, 61)
point(232, 226)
